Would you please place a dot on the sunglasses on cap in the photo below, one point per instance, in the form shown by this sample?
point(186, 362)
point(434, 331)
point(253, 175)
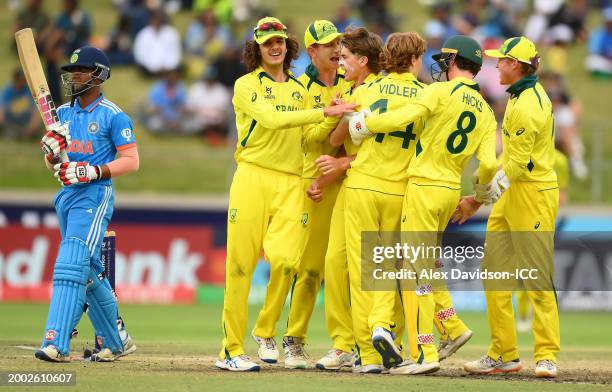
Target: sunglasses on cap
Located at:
point(274, 26)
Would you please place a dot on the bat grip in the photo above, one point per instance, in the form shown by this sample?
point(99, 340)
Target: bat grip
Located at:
point(63, 156)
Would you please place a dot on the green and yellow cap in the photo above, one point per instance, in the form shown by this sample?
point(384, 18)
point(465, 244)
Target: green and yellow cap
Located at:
point(267, 28)
point(463, 46)
point(517, 48)
point(320, 32)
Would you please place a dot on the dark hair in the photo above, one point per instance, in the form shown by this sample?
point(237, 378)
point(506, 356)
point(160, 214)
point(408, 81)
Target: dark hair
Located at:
point(251, 56)
point(527, 69)
point(360, 41)
point(467, 65)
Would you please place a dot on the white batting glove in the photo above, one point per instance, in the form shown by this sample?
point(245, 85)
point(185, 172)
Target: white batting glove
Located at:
point(490, 193)
point(56, 140)
point(357, 126)
point(69, 173)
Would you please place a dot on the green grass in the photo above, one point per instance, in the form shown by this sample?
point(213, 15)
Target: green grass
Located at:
point(171, 165)
point(176, 346)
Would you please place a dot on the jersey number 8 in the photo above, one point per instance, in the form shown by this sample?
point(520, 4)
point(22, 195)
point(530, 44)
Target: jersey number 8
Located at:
point(461, 132)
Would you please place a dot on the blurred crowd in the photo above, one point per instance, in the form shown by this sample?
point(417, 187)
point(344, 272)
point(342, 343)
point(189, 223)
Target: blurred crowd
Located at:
point(192, 74)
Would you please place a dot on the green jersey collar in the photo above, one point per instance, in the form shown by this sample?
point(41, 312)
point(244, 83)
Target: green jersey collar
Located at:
point(517, 88)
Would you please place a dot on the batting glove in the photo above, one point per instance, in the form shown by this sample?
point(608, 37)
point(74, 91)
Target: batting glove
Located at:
point(69, 173)
point(357, 126)
point(490, 193)
point(56, 140)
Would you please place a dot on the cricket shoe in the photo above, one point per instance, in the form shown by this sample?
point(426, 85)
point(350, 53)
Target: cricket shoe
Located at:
point(128, 344)
point(336, 359)
point(382, 340)
point(410, 367)
point(356, 368)
point(51, 354)
point(371, 369)
point(105, 355)
point(487, 365)
point(546, 368)
point(451, 346)
point(295, 356)
point(239, 363)
point(267, 350)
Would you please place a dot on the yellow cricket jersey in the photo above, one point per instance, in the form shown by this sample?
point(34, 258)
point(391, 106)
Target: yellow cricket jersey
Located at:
point(382, 161)
point(457, 123)
point(356, 94)
point(269, 119)
point(316, 136)
point(528, 137)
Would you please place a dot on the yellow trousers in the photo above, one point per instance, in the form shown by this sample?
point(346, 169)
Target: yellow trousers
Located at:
point(525, 216)
point(336, 289)
point(427, 208)
point(371, 211)
point(265, 212)
point(312, 265)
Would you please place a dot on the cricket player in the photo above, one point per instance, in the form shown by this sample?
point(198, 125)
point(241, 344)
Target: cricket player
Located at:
point(324, 82)
point(458, 124)
point(522, 223)
point(94, 130)
point(266, 199)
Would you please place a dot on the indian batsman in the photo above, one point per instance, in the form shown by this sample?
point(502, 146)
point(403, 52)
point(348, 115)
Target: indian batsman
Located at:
point(324, 82)
point(94, 130)
point(266, 200)
point(458, 124)
point(525, 216)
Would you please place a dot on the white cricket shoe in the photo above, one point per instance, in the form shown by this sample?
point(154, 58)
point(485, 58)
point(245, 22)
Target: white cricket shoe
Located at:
point(51, 354)
point(371, 369)
point(546, 368)
point(382, 340)
point(356, 368)
point(128, 344)
point(487, 365)
point(267, 350)
point(105, 355)
point(451, 346)
point(295, 356)
point(239, 363)
point(336, 359)
point(409, 367)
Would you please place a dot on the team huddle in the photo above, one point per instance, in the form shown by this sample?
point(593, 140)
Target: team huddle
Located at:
point(357, 144)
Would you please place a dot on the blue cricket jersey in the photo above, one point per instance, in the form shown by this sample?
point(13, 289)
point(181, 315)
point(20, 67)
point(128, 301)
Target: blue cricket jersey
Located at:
point(96, 131)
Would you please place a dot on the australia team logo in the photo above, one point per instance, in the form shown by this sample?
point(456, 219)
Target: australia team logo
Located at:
point(297, 96)
point(232, 215)
point(93, 128)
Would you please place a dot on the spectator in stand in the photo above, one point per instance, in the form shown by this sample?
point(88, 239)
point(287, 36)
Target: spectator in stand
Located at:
point(208, 101)
point(599, 61)
point(138, 13)
point(18, 115)
point(435, 33)
point(120, 45)
point(166, 109)
point(229, 66)
point(35, 17)
point(441, 16)
point(376, 14)
point(157, 47)
point(557, 56)
point(75, 26)
point(205, 40)
point(470, 19)
point(540, 18)
point(343, 18)
point(222, 9)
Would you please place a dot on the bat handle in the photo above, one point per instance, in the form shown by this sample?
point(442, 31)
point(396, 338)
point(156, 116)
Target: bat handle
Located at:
point(63, 156)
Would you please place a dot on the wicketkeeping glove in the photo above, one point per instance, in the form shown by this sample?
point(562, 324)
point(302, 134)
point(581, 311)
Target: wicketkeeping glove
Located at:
point(357, 126)
point(69, 173)
point(56, 140)
point(490, 193)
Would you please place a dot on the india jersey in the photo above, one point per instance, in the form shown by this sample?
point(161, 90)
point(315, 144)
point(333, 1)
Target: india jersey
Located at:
point(387, 156)
point(528, 133)
point(320, 96)
point(269, 119)
point(458, 123)
point(96, 132)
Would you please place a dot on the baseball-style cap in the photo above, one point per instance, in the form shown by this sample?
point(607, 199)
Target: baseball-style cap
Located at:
point(463, 46)
point(267, 28)
point(320, 32)
point(517, 48)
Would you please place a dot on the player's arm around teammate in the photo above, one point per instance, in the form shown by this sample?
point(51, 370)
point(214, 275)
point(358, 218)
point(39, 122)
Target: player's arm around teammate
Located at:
point(522, 224)
point(266, 197)
point(99, 129)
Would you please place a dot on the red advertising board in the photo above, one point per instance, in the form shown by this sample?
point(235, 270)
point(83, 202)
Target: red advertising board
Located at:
point(154, 263)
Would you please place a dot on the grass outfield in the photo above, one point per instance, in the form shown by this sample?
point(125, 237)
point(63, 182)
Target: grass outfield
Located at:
point(177, 346)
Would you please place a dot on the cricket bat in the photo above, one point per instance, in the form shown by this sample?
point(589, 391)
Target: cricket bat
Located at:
point(33, 70)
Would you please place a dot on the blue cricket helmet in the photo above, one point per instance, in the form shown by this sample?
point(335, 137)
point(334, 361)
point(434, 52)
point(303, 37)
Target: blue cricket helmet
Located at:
point(91, 58)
